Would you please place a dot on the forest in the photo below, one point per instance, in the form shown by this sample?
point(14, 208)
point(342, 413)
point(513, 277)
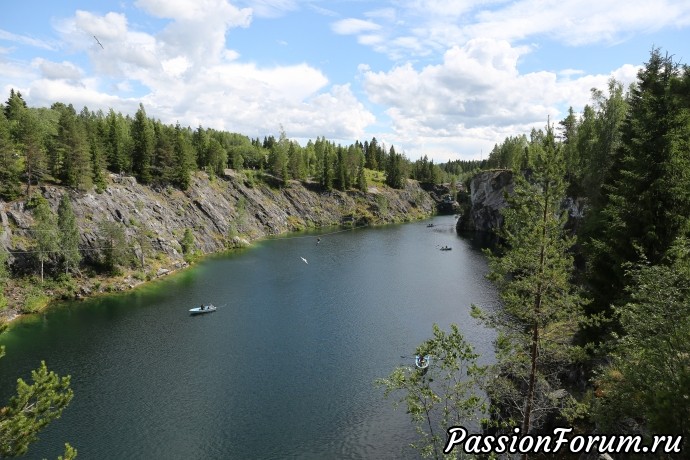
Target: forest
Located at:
point(594, 332)
point(77, 150)
point(594, 328)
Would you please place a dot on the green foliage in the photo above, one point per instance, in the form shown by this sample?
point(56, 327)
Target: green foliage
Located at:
point(540, 308)
point(30, 134)
point(510, 154)
point(362, 184)
point(143, 146)
point(396, 172)
point(35, 299)
point(69, 234)
point(113, 246)
point(382, 203)
point(45, 232)
point(446, 395)
point(649, 373)
point(72, 161)
point(646, 199)
point(35, 405)
point(10, 167)
point(70, 453)
point(187, 242)
point(4, 275)
point(217, 158)
point(184, 159)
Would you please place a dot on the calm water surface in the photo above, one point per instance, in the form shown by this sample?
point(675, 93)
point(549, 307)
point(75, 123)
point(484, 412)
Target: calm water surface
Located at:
point(285, 367)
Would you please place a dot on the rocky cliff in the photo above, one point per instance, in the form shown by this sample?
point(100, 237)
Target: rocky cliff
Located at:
point(221, 212)
point(482, 213)
point(487, 197)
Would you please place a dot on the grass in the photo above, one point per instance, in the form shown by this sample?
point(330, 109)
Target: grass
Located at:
point(374, 178)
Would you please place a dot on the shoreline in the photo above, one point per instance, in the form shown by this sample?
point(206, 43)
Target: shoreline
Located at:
point(126, 282)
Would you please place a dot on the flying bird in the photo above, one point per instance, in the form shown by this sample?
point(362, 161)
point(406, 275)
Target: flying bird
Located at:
point(305, 260)
point(98, 41)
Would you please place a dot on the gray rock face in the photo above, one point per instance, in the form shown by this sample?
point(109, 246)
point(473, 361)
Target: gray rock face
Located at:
point(221, 213)
point(487, 198)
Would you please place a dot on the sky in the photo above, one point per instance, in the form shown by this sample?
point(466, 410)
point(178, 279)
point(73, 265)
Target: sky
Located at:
point(443, 78)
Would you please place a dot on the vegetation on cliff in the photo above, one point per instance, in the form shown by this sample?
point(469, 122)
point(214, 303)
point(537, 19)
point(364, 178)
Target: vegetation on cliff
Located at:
point(621, 364)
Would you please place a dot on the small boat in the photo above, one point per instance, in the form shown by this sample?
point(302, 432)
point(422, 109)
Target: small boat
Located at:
point(210, 308)
point(429, 225)
point(422, 363)
point(446, 248)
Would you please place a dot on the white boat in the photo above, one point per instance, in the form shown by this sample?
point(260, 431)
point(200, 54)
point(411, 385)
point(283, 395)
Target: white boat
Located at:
point(210, 308)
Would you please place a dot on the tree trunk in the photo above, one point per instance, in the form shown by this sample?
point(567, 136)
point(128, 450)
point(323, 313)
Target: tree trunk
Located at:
point(534, 348)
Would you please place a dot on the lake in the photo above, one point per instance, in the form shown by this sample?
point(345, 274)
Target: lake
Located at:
point(284, 368)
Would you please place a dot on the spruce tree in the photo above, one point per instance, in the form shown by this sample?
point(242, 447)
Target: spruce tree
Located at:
point(184, 159)
point(646, 200)
point(143, 146)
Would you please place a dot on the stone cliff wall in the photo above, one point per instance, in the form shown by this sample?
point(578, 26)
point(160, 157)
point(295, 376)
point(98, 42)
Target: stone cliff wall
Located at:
point(215, 211)
point(488, 189)
point(487, 198)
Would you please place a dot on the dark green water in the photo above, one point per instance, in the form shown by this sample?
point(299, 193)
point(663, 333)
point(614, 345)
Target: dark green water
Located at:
point(284, 369)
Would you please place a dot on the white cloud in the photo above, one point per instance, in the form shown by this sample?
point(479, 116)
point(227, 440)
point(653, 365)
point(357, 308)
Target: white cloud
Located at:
point(578, 22)
point(436, 25)
point(352, 26)
point(476, 93)
point(58, 70)
point(185, 73)
point(197, 11)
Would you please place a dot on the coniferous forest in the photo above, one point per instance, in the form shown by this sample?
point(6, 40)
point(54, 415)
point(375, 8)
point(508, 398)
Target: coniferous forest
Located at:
point(594, 330)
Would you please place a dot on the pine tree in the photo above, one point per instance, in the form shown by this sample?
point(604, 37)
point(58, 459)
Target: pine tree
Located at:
point(540, 309)
point(34, 406)
point(69, 234)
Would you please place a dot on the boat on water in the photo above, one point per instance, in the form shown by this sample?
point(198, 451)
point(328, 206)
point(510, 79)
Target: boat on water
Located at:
point(200, 310)
point(446, 248)
point(422, 363)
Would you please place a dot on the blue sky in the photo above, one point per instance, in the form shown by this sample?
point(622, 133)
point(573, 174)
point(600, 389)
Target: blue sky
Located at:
point(447, 79)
